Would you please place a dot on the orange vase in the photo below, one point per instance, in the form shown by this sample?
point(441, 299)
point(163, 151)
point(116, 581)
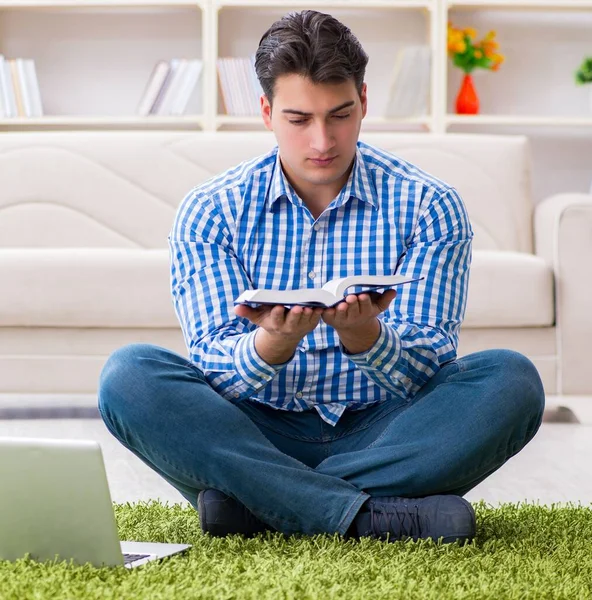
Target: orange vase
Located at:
point(467, 102)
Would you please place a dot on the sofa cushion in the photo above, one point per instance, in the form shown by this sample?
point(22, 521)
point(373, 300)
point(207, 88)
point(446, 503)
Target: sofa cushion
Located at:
point(130, 288)
point(122, 187)
point(509, 289)
point(85, 287)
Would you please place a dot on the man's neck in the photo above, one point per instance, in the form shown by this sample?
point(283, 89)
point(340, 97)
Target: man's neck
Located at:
point(318, 197)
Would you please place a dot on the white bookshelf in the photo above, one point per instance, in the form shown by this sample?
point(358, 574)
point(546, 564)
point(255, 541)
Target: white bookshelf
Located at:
point(511, 120)
point(187, 122)
point(521, 4)
point(94, 57)
point(383, 27)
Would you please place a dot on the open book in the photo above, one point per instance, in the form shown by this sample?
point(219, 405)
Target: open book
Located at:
point(332, 293)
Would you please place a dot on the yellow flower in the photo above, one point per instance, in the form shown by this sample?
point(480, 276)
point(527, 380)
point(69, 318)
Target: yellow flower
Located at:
point(456, 41)
point(457, 47)
point(489, 48)
point(462, 43)
point(498, 60)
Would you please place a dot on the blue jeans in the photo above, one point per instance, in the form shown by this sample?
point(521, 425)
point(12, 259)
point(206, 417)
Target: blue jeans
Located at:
point(299, 474)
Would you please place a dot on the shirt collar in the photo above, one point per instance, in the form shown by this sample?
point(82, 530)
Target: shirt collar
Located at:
point(360, 185)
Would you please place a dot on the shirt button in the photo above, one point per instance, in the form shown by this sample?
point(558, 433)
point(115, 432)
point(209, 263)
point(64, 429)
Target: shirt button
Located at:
point(236, 394)
point(298, 394)
point(377, 363)
point(317, 227)
point(312, 274)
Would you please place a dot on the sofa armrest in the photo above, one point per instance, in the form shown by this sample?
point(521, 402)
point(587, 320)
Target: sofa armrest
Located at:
point(563, 237)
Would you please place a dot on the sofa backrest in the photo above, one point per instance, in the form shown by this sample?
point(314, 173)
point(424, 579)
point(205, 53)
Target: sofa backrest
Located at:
point(121, 189)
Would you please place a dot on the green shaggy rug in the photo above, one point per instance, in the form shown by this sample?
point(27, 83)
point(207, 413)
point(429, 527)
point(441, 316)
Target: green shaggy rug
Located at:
point(521, 551)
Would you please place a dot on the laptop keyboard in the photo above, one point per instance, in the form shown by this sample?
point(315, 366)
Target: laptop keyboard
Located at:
point(129, 558)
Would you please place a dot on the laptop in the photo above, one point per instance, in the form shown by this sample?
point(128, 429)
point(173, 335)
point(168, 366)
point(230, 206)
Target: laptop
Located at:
point(55, 503)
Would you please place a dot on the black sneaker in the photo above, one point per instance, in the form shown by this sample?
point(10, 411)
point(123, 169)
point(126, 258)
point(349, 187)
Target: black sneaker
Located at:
point(221, 515)
point(449, 518)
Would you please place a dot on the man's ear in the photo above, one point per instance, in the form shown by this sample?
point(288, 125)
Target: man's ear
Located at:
point(266, 112)
point(364, 99)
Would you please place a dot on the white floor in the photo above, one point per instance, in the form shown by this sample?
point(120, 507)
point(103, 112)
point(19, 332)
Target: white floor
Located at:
point(553, 468)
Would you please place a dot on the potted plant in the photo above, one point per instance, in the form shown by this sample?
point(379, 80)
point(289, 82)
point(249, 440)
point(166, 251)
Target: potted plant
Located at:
point(584, 75)
point(469, 54)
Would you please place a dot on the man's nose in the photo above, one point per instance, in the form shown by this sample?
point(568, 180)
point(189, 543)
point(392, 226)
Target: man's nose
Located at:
point(322, 139)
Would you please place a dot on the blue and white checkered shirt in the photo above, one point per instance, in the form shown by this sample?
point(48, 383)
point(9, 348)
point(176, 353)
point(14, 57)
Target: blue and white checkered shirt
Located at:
point(248, 229)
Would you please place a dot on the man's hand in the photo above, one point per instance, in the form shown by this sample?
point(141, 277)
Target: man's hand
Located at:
point(355, 319)
point(280, 329)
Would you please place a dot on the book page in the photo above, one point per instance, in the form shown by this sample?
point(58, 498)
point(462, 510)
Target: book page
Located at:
point(338, 287)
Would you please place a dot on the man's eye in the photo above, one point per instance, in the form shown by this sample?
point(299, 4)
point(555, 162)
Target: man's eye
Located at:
point(341, 116)
point(297, 121)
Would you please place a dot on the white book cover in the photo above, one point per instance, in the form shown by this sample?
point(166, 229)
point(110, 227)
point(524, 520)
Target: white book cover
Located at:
point(173, 66)
point(330, 294)
point(17, 87)
point(422, 103)
point(237, 87)
point(228, 96)
point(257, 89)
point(25, 91)
point(408, 87)
point(188, 85)
point(8, 87)
point(405, 82)
point(256, 83)
point(4, 104)
point(250, 92)
point(393, 107)
point(153, 87)
point(173, 88)
point(33, 86)
point(220, 68)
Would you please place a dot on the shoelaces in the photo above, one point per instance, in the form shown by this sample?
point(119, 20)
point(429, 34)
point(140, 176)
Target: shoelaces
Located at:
point(401, 521)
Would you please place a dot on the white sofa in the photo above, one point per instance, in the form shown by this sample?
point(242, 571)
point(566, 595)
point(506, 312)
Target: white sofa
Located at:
point(84, 218)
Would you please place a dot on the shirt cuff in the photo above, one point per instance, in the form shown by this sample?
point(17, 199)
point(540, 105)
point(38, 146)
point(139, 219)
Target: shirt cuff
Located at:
point(253, 371)
point(383, 356)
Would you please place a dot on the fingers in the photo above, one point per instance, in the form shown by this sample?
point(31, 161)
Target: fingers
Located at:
point(384, 299)
point(302, 315)
point(358, 309)
point(297, 321)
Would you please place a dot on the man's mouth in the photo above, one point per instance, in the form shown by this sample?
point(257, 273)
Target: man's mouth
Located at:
point(323, 162)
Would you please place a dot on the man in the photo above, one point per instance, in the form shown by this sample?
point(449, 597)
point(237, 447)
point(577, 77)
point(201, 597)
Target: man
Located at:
point(357, 419)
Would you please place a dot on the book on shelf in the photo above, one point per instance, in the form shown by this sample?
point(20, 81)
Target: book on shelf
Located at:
point(19, 88)
point(157, 78)
point(409, 91)
point(170, 87)
point(239, 86)
point(331, 294)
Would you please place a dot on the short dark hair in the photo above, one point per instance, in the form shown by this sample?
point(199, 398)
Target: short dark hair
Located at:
point(312, 44)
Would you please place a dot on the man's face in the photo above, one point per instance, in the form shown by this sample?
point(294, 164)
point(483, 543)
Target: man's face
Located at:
point(316, 127)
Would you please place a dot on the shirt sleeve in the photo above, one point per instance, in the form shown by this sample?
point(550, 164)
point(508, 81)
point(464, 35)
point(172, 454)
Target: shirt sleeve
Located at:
point(419, 331)
point(206, 277)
